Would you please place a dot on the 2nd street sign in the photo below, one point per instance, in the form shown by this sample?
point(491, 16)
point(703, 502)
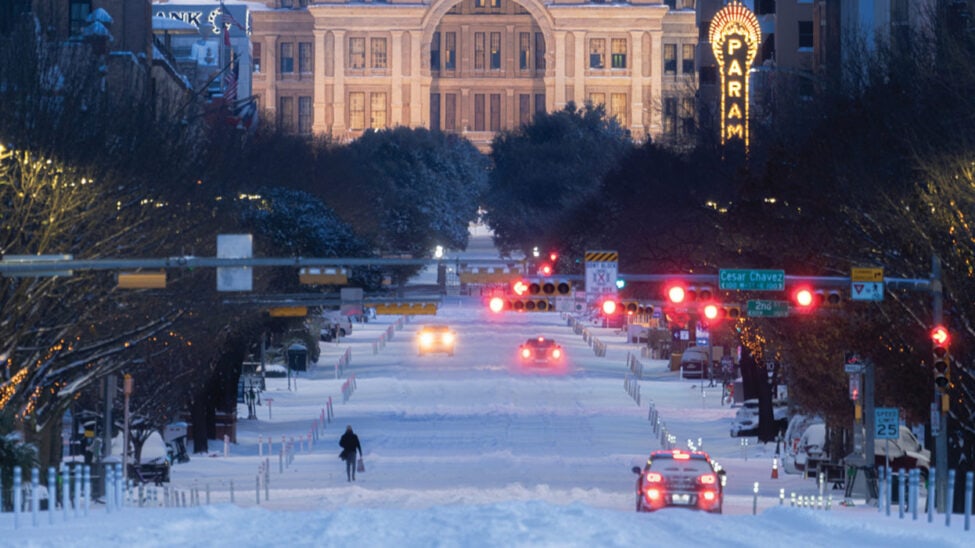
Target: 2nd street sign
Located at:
point(751, 280)
point(767, 309)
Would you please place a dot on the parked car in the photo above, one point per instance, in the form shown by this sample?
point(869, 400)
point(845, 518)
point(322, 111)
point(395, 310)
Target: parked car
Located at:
point(746, 420)
point(695, 363)
point(812, 449)
point(540, 350)
point(905, 452)
point(682, 479)
point(435, 338)
point(792, 463)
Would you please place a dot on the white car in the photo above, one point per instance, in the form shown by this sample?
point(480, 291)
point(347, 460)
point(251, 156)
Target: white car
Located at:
point(905, 452)
point(745, 422)
point(794, 460)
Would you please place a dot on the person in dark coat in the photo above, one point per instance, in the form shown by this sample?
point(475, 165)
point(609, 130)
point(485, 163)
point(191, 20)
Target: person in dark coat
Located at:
point(349, 443)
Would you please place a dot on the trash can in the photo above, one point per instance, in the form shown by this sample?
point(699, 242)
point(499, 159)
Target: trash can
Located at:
point(675, 361)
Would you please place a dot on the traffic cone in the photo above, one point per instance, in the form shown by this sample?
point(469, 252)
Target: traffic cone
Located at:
point(775, 467)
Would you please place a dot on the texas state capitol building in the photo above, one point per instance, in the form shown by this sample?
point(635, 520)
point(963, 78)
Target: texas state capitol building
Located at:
point(472, 67)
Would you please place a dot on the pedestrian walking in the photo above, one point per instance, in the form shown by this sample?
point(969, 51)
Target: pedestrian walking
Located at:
point(349, 442)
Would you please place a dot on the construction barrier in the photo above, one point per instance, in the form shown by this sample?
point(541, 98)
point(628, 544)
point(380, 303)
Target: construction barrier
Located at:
point(406, 309)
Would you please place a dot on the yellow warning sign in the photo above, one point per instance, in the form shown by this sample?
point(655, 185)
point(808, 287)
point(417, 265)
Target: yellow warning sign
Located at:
point(863, 274)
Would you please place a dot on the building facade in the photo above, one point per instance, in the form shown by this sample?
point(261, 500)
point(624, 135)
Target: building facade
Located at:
point(472, 67)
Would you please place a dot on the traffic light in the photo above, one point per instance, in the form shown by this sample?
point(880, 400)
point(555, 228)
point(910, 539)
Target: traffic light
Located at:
point(942, 360)
point(610, 307)
point(678, 293)
point(523, 288)
point(637, 308)
point(545, 269)
point(520, 304)
point(716, 311)
point(804, 299)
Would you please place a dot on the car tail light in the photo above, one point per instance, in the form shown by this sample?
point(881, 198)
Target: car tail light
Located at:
point(681, 456)
point(556, 353)
point(526, 353)
point(653, 494)
point(653, 477)
point(709, 496)
point(708, 479)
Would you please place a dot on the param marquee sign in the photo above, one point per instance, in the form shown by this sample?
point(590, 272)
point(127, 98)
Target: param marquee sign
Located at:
point(735, 36)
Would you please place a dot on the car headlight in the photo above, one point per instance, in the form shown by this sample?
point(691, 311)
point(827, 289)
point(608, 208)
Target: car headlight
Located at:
point(426, 339)
point(448, 338)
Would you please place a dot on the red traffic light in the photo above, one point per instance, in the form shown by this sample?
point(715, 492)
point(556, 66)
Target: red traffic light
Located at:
point(609, 307)
point(545, 270)
point(711, 311)
point(676, 293)
point(939, 336)
point(496, 304)
point(803, 297)
point(520, 287)
point(553, 256)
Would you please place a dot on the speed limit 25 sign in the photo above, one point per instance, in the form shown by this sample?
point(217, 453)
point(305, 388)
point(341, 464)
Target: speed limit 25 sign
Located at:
point(886, 423)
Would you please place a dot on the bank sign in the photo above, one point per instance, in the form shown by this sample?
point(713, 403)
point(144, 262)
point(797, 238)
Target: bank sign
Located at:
point(206, 17)
point(735, 36)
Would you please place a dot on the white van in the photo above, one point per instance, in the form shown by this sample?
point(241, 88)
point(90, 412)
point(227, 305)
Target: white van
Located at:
point(335, 326)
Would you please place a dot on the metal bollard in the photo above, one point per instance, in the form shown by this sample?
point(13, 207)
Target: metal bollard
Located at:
point(86, 485)
point(880, 485)
point(35, 494)
point(901, 500)
point(108, 489)
point(968, 498)
point(888, 495)
point(755, 499)
point(915, 480)
point(931, 488)
point(52, 494)
point(18, 494)
point(231, 491)
point(65, 487)
point(950, 498)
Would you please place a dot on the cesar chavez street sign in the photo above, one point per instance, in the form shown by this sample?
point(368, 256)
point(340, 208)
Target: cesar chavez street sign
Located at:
point(751, 280)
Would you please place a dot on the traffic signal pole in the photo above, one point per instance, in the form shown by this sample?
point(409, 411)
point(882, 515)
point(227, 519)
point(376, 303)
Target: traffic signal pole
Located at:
point(939, 430)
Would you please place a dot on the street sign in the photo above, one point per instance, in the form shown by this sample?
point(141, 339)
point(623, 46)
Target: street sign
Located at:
point(886, 423)
point(867, 291)
point(751, 280)
point(854, 368)
point(602, 269)
point(866, 274)
point(767, 309)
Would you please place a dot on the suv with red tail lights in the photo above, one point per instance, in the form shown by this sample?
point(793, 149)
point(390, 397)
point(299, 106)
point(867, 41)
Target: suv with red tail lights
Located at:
point(540, 350)
point(681, 479)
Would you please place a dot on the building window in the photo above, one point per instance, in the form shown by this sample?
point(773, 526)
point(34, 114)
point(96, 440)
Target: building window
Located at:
point(524, 51)
point(304, 115)
point(619, 53)
point(597, 53)
point(357, 110)
point(377, 110)
point(479, 51)
point(256, 57)
point(450, 51)
point(435, 111)
point(287, 58)
point(539, 103)
point(495, 51)
point(495, 112)
point(435, 52)
point(670, 58)
point(479, 112)
point(805, 34)
point(670, 117)
point(597, 98)
point(617, 108)
point(357, 53)
point(78, 11)
point(304, 57)
point(450, 112)
point(687, 59)
point(286, 113)
point(377, 48)
point(539, 51)
point(524, 109)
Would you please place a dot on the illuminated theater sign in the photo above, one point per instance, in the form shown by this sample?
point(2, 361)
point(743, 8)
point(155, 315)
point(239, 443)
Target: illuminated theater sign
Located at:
point(735, 36)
